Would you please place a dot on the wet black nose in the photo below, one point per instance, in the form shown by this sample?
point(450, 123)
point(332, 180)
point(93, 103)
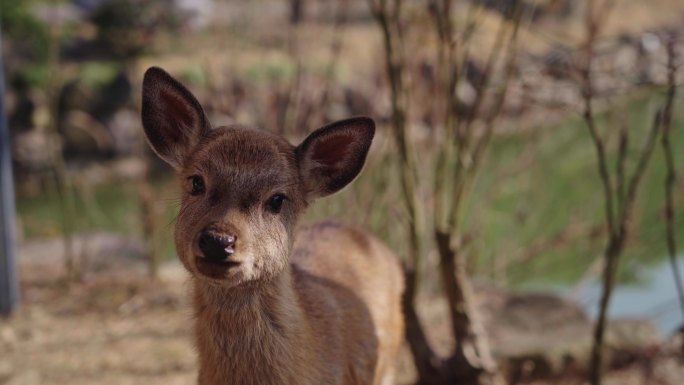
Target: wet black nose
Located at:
point(217, 247)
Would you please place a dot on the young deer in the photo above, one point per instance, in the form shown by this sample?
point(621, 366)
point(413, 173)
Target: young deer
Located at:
point(320, 307)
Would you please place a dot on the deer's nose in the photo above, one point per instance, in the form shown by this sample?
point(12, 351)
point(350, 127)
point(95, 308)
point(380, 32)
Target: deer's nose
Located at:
point(217, 247)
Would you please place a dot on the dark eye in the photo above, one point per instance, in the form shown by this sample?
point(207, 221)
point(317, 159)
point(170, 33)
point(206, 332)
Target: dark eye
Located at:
point(275, 203)
point(197, 185)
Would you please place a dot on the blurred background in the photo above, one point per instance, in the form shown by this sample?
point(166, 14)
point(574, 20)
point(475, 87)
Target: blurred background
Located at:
point(502, 92)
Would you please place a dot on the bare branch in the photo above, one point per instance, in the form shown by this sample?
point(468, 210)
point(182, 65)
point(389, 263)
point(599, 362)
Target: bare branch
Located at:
point(623, 146)
point(637, 176)
point(471, 154)
point(448, 70)
point(602, 161)
point(509, 71)
point(592, 28)
point(389, 21)
point(671, 176)
point(466, 132)
point(335, 50)
point(615, 247)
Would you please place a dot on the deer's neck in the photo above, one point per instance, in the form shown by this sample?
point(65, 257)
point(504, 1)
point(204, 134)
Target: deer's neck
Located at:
point(253, 335)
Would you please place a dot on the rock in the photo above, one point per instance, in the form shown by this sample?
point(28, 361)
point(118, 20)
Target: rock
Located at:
point(628, 339)
point(466, 94)
point(539, 335)
point(126, 132)
point(198, 14)
point(558, 63)
point(31, 151)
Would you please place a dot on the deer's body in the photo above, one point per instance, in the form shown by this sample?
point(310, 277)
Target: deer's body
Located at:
point(275, 306)
point(308, 315)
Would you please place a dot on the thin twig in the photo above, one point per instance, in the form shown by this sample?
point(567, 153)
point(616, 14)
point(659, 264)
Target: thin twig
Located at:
point(623, 146)
point(592, 26)
point(449, 75)
point(637, 176)
point(464, 130)
point(389, 21)
point(595, 19)
point(472, 359)
point(471, 154)
point(293, 98)
point(61, 175)
point(335, 50)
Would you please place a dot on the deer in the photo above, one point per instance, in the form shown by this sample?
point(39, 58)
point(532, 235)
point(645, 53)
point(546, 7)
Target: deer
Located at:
point(275, 302)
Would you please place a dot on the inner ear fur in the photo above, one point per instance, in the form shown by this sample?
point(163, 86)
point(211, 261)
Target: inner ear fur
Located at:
point(333, 155)
point(173, 120)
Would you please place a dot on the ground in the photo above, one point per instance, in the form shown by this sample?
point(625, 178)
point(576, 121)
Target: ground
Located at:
point(120, 327)
point(105, 332)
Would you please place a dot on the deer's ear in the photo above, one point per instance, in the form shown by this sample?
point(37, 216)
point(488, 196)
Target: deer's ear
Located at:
point(173, 119)
point(333, 156)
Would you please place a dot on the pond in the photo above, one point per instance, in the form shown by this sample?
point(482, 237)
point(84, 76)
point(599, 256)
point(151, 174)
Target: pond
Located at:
point(654, 296)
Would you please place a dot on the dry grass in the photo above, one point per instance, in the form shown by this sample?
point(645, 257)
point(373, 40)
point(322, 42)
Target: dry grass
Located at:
point(119, 328)
point(236, 50)
point(113, 329)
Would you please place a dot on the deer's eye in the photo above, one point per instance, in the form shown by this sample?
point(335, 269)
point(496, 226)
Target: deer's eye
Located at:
point(197, 185)
point(275, 203)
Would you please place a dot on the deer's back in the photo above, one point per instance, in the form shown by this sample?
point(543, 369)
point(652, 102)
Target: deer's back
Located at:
point(350, 284)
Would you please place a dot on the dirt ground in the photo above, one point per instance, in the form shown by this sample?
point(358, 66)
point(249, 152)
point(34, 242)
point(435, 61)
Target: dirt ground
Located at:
point(118, 327)
point(115, 329)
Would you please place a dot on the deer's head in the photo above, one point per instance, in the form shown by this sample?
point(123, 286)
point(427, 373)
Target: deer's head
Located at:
point(243, 189)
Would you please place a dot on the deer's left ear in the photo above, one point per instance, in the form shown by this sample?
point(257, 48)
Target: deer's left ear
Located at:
point(332, 156)
point(172, 118)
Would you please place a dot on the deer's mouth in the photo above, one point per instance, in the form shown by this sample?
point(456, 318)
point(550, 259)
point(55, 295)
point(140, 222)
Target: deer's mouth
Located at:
point(214, 268)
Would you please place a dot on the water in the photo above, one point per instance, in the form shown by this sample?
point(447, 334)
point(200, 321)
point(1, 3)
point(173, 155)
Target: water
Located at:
point(653, 297)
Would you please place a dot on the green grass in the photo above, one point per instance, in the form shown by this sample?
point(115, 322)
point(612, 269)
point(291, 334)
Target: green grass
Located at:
point(561, 186)
point(114, 210)
point(534, 185)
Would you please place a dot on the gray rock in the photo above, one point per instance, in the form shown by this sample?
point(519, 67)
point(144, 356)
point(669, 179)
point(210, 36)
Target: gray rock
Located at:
point(544, 336)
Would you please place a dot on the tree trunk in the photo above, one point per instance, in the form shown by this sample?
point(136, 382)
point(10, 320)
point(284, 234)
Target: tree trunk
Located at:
point(472, 361)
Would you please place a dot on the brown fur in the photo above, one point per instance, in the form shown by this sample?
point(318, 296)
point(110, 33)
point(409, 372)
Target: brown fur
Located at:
point(321, 306)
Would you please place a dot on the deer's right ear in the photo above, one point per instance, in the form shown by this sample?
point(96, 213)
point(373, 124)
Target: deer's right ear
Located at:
point(332, 156)
point(173, 119)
